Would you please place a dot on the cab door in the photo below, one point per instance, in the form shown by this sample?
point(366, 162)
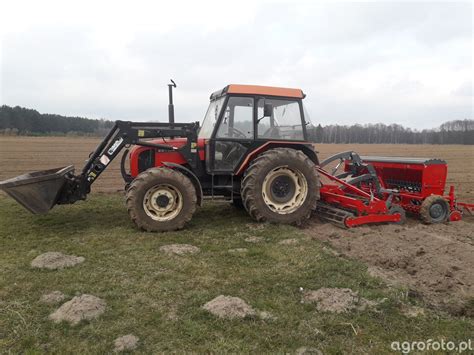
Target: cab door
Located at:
point(233, 135)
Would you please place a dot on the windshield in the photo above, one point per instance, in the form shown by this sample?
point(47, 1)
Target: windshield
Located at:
point(307, 116)
point(211, 117)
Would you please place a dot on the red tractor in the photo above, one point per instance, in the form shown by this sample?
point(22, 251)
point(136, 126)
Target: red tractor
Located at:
point(252, 148)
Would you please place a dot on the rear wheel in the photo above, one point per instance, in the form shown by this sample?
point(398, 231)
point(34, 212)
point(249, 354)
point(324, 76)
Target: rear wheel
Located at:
point(434, 209)
point(281, 186)
point(160, 200)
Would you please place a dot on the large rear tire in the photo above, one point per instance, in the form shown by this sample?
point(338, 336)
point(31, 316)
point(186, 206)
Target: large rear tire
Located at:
point(281, 186)
point(161, 200)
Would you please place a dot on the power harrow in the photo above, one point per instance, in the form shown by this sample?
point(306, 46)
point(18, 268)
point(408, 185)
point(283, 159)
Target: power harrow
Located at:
point(369, 189)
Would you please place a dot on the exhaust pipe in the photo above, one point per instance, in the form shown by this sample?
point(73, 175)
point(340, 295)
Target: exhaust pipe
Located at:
point(170, 105)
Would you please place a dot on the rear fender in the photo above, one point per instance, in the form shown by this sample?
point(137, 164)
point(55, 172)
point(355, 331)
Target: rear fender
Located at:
point(305, 147)
point(194, 179)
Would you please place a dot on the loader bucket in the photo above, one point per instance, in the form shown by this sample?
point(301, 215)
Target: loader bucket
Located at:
point(37, 191)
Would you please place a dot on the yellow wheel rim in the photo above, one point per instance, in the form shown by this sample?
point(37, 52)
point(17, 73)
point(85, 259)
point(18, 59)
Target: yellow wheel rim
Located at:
point(163, 202)
point(284, 190)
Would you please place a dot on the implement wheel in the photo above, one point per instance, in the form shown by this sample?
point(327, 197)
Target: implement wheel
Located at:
point(398, 209)
point(161, 200)
point(281, 186)
point(434, 209)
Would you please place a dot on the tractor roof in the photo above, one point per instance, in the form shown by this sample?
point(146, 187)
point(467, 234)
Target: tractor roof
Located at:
point(259, 90)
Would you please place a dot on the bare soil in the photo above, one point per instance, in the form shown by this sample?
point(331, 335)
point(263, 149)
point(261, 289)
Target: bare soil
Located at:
point(336, 300)
point(179, 249)
point(127, 342)
point(229, 307)
point(433, 261)
point(84, 307)
point(54, 261)
point(52, 298)
point(234, 307)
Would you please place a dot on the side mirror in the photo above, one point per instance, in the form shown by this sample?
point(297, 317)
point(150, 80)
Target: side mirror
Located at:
point(267, 110)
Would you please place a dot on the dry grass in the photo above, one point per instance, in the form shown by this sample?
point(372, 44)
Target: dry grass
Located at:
point(159, 297)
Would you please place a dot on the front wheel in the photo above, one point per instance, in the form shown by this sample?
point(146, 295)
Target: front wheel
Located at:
point(161, 200)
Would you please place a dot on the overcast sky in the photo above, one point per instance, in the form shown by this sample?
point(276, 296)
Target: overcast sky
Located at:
point(358, 62)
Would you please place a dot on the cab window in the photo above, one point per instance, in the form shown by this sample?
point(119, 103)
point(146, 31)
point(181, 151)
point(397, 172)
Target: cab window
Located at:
point(280, 120)
point(237, 122)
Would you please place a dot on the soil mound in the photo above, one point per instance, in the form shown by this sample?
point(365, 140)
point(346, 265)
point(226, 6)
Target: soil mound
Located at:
point(54, 260)
point(179, 249)
point(412, 311)
point(125, 343)
point(229, 307)
point(80, 307)
point(337, 300)
point(52, 298)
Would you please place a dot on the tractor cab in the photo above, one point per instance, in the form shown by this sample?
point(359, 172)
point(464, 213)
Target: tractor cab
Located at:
point(241, 118)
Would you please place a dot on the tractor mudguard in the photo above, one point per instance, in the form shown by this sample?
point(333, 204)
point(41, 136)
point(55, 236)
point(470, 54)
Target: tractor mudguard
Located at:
point(305, 147)
point(190, 175)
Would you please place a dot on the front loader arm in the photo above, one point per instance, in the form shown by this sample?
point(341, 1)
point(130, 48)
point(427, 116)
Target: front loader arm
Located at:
point(39, 191)
point(122, 134)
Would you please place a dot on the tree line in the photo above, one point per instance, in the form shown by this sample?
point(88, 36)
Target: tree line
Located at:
point(22, 121)
point(451, 132)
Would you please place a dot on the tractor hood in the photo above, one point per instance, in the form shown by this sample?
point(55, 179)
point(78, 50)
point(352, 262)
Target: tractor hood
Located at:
point(172, 142)
point(143, 157)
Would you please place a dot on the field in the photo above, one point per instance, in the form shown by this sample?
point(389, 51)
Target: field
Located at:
point(416, 280)
point(22, 154)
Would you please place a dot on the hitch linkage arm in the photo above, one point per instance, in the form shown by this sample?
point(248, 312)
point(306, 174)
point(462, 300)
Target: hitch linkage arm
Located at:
point(125, 133)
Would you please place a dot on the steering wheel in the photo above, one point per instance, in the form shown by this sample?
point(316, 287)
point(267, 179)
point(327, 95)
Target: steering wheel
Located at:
point(239, 133)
